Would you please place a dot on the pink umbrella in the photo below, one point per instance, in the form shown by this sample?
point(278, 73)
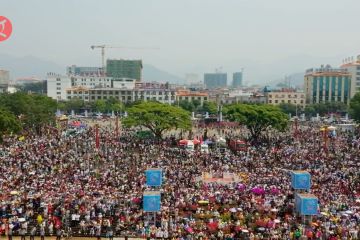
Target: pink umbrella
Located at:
point(274, 191)
point(241, 187)
point(189, 229)
point(258, 191)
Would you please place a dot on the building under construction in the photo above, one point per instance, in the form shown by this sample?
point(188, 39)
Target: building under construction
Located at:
point(124, 68)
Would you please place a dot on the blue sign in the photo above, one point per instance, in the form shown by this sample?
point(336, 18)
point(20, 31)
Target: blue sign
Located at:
point(151, 201)
point(300, 180)
point(306, 204)
point(153, 177)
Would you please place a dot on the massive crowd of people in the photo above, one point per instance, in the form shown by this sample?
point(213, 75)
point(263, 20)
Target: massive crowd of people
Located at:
point(51, 184)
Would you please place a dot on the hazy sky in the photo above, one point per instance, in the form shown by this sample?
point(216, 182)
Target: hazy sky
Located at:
point(193, 35)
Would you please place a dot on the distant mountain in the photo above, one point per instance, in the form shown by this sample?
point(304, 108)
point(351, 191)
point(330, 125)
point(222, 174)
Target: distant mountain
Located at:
point(30, 66)
point(151, 73)
point(294, 80)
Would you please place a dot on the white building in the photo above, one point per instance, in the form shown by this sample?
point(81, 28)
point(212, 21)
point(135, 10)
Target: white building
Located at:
point(4, 80)
point(57, 85)
point(353, 68)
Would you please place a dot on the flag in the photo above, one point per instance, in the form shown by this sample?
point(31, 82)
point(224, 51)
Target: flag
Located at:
point(97, 140)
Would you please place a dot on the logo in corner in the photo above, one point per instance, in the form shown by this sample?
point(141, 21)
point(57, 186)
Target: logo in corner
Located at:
point(5, 28)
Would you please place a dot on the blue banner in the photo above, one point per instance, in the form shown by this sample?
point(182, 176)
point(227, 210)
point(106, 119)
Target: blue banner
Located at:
point(151, 202)
point(300, 180)
point(153, 177)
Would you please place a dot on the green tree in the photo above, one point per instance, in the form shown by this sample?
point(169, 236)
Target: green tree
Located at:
point(113, 104)
point(157, 117)
point(309, 110)
point(288, 108)
point(100, 106)
point(75, 104)
point(209, 107)
point(186, 105)
point(36, 87)
point(34, 110)
point(258, 118)
point(8, 123)
point(355, 107)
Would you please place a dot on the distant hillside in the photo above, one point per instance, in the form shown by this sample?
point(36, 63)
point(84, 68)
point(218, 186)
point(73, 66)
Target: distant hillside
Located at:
point(30, 66)
point(295, 80)
point(151, 73)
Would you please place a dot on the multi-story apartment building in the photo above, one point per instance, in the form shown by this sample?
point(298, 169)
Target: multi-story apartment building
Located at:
point(237, 81)
point(285, 96)
point(353, 68)
point(215, 80)
point(57, 85)
point(4, 80)
point(124, 68)
point(187, 95)
point(143, 91)
point(327, 84)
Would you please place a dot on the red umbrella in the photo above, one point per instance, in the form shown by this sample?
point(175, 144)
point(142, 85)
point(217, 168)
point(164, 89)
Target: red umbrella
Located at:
point(196, 141)
point(183, 142)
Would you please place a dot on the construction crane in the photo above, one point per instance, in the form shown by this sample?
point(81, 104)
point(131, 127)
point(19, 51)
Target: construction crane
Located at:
point(108, 46)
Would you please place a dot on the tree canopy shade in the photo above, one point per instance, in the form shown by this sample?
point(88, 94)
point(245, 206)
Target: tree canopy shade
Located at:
point(258, 118)
point(355, 107)
point(33, 110)
point(8, 123)
point(157, 117)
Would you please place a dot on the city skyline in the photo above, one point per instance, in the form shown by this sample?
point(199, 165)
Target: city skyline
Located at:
point(268, 39)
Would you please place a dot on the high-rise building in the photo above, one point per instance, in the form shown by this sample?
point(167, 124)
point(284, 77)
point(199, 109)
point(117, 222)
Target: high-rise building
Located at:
point(353, 68)
point(215, 80)
point(124, 68)
point(4, 80)
point(57, 85)
point(327, 84)
point(237, 79)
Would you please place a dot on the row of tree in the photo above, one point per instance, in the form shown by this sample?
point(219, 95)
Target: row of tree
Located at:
point(313, 109)
point(25, 111)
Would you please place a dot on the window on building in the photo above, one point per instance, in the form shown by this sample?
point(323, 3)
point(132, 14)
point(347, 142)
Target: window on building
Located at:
point(270, 96)
point(205, 98)
point(110, 92)
point(123, 98)
point(104, 97)
point(301, 101)
point(93, 97)
point(160, 93)
point(160, 98)
point(186, 98)
point(148, 98)
point(289, 101)
point(116, 92)
point(58, 88)
point(58, 84)
point(58, 92)
point(86, 97)
point(154, 98)
point(69, 97)
point(129, 92)
point(99, 97)
point(289, 96)
point(276, 101)
point(270, 101)
point(295, 101)
point(172, 97)
point(129, 98)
